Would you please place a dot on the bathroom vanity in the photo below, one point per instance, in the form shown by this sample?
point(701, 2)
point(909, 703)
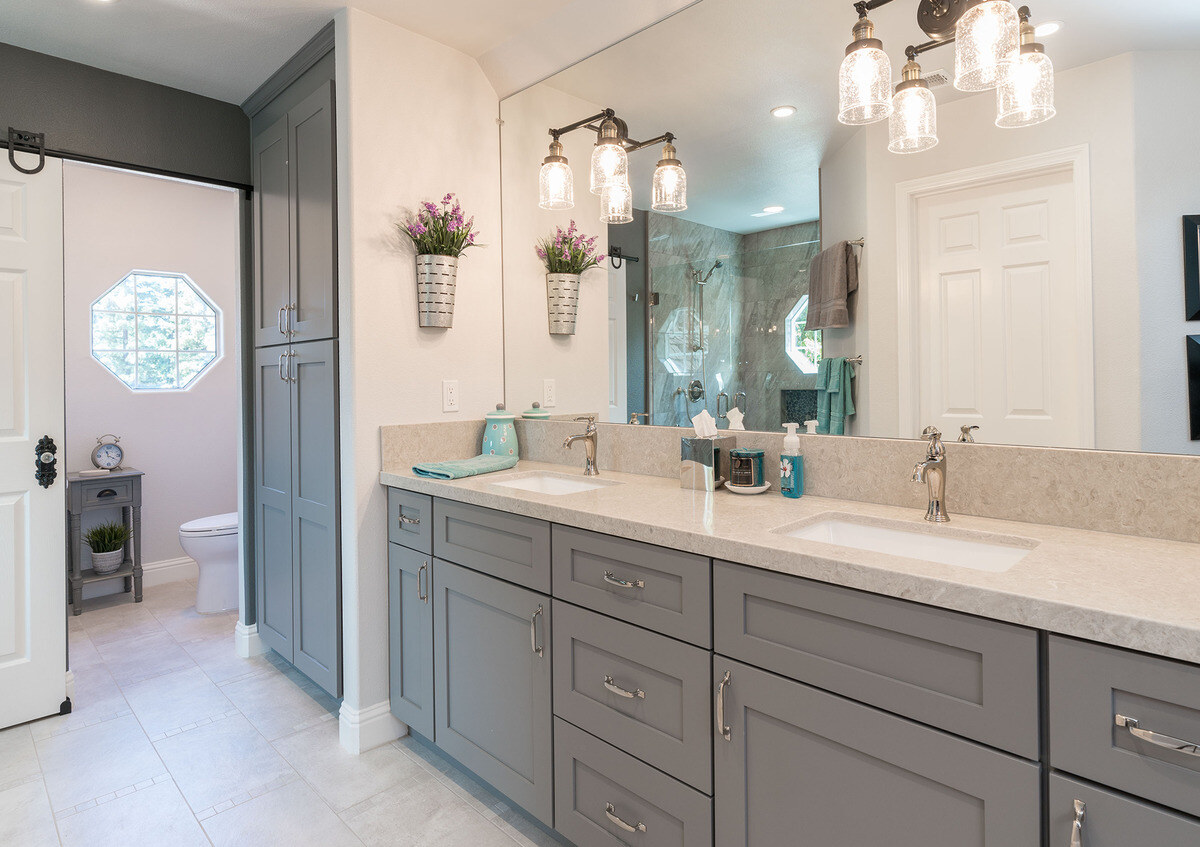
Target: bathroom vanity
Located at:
point(635, 663)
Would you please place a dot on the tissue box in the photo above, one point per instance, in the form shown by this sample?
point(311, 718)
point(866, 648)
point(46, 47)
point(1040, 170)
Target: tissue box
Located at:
point(704, 462)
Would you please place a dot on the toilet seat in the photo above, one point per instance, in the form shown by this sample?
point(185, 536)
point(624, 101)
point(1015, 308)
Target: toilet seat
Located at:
point(213, 525)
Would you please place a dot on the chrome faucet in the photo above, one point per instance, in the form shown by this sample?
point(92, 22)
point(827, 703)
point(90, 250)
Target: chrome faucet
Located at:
point(589, 442)
point(932, 471)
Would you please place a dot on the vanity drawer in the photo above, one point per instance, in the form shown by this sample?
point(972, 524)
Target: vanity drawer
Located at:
point(511, 547)
point(1114, 820)
point(660, 589)
point(593, 780)
point(1090, 685)
point(114, 492)
point(410, 519)
point(644, 693)
point(971, 676)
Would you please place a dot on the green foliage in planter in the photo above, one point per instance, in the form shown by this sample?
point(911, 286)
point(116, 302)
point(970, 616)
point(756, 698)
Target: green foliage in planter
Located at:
point(568, 251)
point(107, 537)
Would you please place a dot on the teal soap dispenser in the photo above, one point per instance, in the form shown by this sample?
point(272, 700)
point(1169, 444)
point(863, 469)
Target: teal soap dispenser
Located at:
point(791, 465)
point(500, 433)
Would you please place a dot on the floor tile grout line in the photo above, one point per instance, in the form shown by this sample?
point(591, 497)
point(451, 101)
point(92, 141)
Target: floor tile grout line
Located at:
point(45, 790)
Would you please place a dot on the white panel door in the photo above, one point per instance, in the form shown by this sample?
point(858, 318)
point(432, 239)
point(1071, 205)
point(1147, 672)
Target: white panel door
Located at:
point(618, 395)
point(33, 648)
point(1001, 320)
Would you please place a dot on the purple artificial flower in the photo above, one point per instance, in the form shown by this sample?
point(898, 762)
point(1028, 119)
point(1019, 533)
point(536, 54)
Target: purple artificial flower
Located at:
point(430, 208)
point(446, 200)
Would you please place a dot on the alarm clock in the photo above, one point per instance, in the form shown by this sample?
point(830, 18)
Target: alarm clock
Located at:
point(108, 455)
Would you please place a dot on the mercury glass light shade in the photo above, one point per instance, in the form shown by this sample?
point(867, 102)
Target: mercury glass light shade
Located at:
point(913, 125)
point(1026, 97)
point(669, 188)
point(616, 203)
point(556, 182)
point(865, 80)
point(988, 40)
point(610, 162)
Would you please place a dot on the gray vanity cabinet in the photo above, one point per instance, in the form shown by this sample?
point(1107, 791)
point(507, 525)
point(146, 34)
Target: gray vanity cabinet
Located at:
point(492, 669)
point(1109, 819)
point(796, 765)
point(410, 642)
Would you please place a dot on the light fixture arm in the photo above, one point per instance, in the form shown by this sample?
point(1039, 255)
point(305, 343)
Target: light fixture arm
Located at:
point(591, 119)
point(629, 144)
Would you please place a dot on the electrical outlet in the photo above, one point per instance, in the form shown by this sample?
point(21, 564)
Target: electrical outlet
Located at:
point(449, 395)
point(549, 394)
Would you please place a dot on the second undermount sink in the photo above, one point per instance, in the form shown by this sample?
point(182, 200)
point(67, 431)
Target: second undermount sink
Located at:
point(542, 482)
point(979, 551)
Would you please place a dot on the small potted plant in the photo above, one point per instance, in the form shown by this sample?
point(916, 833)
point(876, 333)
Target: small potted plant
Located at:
point(440, 236)
point(566, 256)
point(108, 542)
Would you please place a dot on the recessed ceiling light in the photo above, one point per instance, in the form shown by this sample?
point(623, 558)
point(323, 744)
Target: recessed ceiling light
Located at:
point(1047, 28)
point(768, 210)
point(783, 111)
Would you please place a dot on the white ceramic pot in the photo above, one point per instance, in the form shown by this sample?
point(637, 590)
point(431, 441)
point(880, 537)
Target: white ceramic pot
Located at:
point(103, 563)
point(436, 280)
point(562, 302)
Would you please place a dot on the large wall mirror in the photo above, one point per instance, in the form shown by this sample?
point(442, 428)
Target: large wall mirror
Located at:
point(1026, 281)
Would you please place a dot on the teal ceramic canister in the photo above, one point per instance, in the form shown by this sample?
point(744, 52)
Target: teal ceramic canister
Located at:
point(537, 413)
point(500, 433)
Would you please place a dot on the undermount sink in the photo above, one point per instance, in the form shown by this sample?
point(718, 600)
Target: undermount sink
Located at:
point(541, 482)
point(962, 548)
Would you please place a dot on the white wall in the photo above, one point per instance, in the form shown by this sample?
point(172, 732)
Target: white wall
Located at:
point(416, 119)
point(578, 364)
point(185, 441)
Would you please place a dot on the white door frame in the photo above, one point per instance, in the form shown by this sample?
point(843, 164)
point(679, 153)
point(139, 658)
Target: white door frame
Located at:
point(908, 194)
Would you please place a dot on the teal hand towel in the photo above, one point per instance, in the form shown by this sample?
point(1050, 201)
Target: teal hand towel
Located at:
point(835, 397)
point(461, 468)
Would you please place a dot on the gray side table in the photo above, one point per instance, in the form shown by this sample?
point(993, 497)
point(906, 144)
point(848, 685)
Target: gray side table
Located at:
point(120, 488)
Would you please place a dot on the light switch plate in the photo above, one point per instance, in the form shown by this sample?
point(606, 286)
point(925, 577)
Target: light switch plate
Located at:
point(549, 394)
point(449, 395)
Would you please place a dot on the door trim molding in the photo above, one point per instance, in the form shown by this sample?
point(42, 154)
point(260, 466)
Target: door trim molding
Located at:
point(1074, 159)
point(360, 730)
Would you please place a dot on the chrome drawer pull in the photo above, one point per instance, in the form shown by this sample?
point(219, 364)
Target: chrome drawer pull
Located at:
point(282, 331)
point(1077, 825)
point(623, 583)
point(611, 811)
point(422, 591)
point(724, 729)
point(404, 519)
point(1180, 746)
point(623, 692)
point(533, 631)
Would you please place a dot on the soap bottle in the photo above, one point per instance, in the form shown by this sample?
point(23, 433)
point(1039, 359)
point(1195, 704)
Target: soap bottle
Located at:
point(791, 465)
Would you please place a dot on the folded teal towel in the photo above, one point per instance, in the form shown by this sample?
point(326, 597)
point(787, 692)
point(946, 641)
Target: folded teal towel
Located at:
point(835, 400)
point(464, 467)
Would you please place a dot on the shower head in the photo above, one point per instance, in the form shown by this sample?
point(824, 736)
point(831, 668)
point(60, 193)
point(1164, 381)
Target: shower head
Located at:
point(703, 280)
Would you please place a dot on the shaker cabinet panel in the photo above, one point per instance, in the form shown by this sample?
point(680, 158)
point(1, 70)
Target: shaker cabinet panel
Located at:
point(273, 500)
point(511, 547)
point(272, 235)
point(1110, 819)
point(311, 170)
point(410, 519)
point(410, 638)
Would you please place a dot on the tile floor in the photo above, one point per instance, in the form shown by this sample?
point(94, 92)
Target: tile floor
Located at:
point(175, 740)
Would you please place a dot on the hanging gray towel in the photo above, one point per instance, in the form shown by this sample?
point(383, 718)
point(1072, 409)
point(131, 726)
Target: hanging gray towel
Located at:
point(832, 277)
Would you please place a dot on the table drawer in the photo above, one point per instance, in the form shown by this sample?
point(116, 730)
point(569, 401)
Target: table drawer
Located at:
point(410, 520)
point(595, 783)
point(644, 693)
point(968, 675)
point(660, 589)
point(114, 492)
point(1091, 685)
point(512, 547)
point(1114, 820)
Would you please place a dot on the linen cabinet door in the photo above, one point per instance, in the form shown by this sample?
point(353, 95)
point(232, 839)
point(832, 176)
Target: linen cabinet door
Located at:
point(410, 637)
point(316, 574)
point(272, 235)
point(273, 499)
point(796, 765)
point(491, 646)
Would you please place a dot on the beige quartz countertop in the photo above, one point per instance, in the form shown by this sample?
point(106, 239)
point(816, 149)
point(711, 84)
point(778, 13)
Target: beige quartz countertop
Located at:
point(1138, 593)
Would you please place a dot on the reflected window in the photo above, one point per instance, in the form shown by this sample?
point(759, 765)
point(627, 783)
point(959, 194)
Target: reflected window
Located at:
point(155, 331)
point(803, 347)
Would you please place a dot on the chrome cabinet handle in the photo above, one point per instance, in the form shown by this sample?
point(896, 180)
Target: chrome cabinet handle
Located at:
point(723, 728)
point(533, 631)
point(282, 356)
point(404, 519)
point(279, 323)
point(1158, 739)
point(1077, 824)
point(623, 692)
point(422, 590)
point(291, 320)
point(611, 812)
point(612, 579)
point(291, 355)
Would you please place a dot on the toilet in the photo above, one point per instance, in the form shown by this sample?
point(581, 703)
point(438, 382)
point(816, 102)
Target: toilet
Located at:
point(212, 543)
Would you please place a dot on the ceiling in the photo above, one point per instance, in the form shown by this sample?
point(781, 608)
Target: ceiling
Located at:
point(711, 74)
point(226, 48)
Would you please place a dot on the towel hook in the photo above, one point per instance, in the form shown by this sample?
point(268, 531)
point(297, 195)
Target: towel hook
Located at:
point(27, 142)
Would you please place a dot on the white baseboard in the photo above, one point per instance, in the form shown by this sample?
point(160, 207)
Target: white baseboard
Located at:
point(247, 641)
point(361, 730)
point(169, 570)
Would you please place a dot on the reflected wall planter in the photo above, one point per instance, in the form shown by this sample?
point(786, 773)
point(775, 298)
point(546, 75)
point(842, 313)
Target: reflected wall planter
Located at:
point(562, 302)
point(436, 279)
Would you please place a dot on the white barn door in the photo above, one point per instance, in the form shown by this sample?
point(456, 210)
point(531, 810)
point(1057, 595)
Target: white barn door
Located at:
point(33, 644)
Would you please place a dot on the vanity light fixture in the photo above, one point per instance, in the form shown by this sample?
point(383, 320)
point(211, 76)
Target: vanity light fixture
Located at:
point(616, 203)
point(556, 182)
point(913, 125)
point(1026, 96)
point(783, 111)
point(610, 162)
point(669, 188)
point(865, 79)
point(987, 42)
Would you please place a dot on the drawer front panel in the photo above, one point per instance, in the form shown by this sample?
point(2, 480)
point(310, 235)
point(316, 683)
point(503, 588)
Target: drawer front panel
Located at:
point(1114, 820)
point(1090, 686)
point(511, 547)
point(970, 676)
point(410, 519)
point(593, 781)
point(660, 589)
point(117, 492)
point(644, 693)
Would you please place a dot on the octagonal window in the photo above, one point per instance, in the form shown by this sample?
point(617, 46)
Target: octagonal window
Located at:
point(803, 347)
point(155, 331)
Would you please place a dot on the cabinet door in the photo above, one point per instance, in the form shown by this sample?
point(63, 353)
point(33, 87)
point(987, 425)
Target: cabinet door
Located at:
point(801, 763)
point(410, 638)
point(273, 499)
point(272, 235)
point(313, 216)
point(1110, 819)
point(491, 647)
point(316, 565)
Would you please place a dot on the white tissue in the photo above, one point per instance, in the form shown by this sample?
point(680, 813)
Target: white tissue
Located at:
point(705, 424)
point(735, 416)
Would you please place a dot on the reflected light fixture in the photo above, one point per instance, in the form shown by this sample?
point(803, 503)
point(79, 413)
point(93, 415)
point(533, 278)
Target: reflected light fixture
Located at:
point(865, 79)
point(669, 188)
point(913, 124)
point(610, 162)
point(616, 203)
point(987, 42)
point(783, 111)
point(556, 182)
point(1026, 96)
